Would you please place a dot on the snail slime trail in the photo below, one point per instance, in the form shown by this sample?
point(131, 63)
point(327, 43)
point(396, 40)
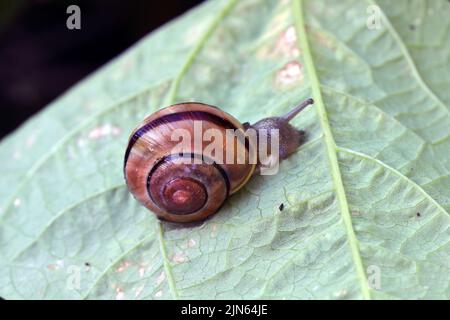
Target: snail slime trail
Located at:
point(191, 181)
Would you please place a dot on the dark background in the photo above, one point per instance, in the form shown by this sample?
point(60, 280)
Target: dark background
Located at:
point(40, 58)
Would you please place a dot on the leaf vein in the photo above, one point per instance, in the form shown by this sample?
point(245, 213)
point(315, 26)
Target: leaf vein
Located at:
point(398, 173)
point(330, 145)
point(408, 58)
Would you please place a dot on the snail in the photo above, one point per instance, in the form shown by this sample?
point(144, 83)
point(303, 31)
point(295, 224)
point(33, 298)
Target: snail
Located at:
point(192, 185)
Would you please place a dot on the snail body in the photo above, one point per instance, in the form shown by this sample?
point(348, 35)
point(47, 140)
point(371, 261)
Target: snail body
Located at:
point(182, 185)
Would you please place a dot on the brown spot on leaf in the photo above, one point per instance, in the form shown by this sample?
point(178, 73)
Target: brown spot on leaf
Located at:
point(52, 266)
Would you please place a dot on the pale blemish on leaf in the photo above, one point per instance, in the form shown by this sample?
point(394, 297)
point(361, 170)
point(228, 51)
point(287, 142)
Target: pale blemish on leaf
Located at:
point(287, 43)
point(81, 143)
point(16, 155)
point(104, 131)
point(30, 141)
point(141, 271)
point(179, 257)
point(160, 278)
point(194, 33)
point(120, 294)
point(158, 294)
point(213, 231)
point(341, 294)
point(17, 202)
point(138, 291)
point(290, 74)
point(123, 266)
point(191, 243)
point(285, 46)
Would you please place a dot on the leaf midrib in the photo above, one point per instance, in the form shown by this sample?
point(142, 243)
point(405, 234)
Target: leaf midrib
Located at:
point(330, 145)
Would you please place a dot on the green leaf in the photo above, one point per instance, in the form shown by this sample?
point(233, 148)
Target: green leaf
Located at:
point(366, 198)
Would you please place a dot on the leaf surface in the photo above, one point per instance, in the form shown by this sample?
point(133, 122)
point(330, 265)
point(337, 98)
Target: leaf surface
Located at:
point(366, 198)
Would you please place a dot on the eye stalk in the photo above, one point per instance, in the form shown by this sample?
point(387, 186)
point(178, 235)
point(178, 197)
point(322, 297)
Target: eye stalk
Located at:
point(291, 114)
point(290, 137)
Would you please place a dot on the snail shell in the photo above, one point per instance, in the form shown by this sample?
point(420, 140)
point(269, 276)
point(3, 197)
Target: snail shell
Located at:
point(173, 188)
point(190, 186)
